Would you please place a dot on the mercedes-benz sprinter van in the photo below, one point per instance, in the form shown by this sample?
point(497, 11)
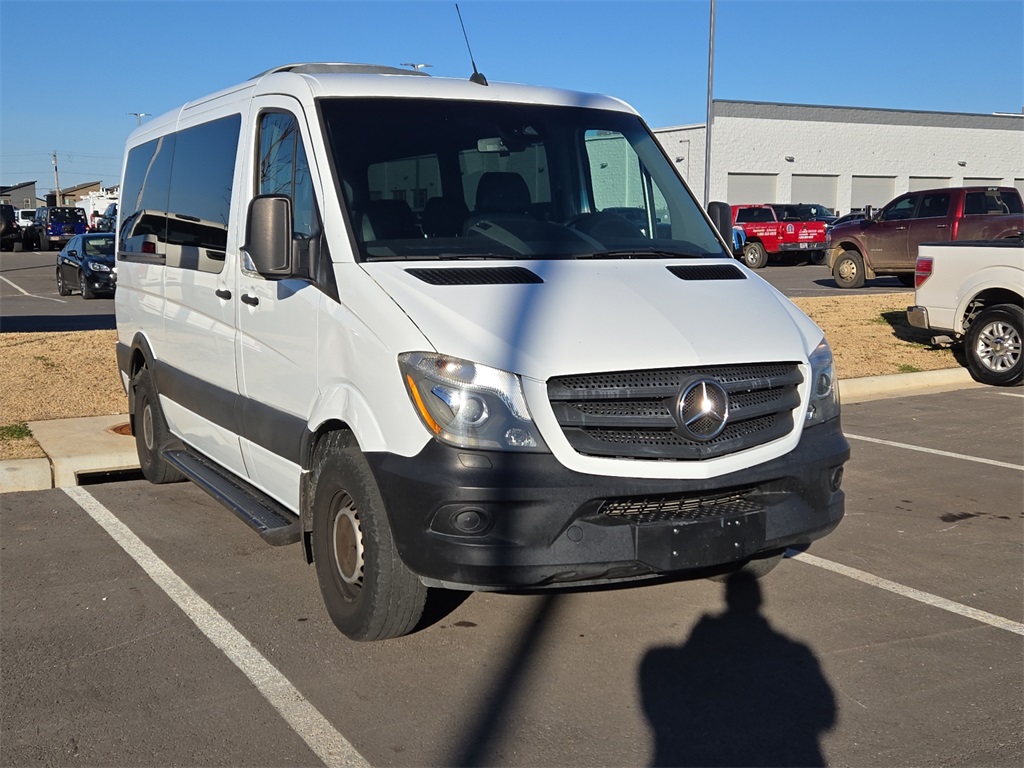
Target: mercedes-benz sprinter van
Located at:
point(455, 335)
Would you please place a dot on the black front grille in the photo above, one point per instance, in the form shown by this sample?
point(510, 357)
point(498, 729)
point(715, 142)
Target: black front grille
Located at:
point(634, 414)
point(682, 509)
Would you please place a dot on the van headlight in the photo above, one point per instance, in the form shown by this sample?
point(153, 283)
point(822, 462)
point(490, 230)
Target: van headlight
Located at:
point(824, 403)
point(469, 405)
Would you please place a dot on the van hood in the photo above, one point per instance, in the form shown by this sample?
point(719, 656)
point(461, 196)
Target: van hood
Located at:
point(580, 316)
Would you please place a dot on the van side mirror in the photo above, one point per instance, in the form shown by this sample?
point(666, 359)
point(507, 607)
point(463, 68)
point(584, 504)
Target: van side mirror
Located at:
point(721, 217)
point(268, 235)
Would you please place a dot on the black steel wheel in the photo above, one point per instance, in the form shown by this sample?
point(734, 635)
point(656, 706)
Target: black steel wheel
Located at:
point(151, 432)
point(369, 592)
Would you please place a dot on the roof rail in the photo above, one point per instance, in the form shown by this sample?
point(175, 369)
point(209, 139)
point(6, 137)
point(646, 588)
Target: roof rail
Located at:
point(340, 68)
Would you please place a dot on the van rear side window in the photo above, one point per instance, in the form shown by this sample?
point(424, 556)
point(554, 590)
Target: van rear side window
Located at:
point(176, 197)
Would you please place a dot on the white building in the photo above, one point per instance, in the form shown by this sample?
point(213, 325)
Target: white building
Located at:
point(843, 157)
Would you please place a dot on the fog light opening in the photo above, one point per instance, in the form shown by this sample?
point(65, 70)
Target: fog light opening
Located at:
point(469, 520)
point(836, 478)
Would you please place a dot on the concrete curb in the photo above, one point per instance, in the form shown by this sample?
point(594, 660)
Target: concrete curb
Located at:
point(78, 447)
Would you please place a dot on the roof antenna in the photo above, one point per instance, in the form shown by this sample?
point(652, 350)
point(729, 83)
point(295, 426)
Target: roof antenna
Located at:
point(476, 77)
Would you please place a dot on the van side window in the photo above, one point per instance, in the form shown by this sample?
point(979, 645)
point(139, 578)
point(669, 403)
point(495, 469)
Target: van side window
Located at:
point(176, 197)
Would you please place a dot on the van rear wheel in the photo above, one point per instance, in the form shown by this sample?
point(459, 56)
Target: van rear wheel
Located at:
point(151, 432)
point(369, 592)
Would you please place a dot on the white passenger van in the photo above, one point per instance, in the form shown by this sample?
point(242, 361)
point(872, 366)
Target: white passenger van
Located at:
point(456, 335)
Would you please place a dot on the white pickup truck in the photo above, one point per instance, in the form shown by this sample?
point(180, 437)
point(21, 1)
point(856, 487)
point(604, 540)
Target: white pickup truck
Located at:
point(974, 292)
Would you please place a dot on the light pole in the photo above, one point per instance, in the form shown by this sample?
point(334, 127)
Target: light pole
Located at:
point(140, 115)
point(707, 130)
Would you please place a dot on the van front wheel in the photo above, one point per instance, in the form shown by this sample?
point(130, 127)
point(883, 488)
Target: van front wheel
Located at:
point(368, 591)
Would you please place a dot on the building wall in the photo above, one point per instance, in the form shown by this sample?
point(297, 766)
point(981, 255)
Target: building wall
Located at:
point(23, 196)
point(860, 153)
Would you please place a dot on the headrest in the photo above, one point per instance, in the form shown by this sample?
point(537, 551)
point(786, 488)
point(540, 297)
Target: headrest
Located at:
point(500, 192)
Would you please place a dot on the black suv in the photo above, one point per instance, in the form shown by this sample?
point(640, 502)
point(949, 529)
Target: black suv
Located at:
point(10, 229)
point(56, 225)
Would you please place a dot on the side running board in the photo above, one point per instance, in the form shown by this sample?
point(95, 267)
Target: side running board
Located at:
point(272, 521)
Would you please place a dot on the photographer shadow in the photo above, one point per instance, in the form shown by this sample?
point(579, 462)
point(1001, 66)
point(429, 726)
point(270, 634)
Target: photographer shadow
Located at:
point(737, 692)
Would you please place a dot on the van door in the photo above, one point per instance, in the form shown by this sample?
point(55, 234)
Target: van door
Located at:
point(179, 218)
point(278, 319)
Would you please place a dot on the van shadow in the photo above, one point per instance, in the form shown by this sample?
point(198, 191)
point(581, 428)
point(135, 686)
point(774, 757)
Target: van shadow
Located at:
point(736, 692)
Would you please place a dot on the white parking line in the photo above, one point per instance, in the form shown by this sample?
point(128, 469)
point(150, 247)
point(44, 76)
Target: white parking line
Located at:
point(311, 726)
point(921, 449)
point(26, 293)
point(914, 594)
point(1010, 394)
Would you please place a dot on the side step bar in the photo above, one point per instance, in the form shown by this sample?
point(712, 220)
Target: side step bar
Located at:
point(277, 525)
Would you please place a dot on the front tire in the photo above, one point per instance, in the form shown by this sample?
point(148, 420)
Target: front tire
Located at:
point(151, 432)
point(369, 592)
point(993, 346)
point(848, 270)
point(87, 291)
point(755, 256)
point(62, 287)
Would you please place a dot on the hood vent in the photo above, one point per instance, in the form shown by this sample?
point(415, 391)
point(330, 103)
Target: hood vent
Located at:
point(476, 276)
point(707, 272)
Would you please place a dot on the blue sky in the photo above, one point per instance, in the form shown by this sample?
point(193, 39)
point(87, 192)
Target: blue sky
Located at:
point(72, 71)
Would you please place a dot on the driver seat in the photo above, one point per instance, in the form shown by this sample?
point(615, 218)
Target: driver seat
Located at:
point(500, 196)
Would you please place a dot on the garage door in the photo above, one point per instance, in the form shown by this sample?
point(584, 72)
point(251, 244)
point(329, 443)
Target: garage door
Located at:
point(927, 182)
point(981, 181)
point(751, 188)
point(814, 189)
point(1019, 184)
point(875, 191)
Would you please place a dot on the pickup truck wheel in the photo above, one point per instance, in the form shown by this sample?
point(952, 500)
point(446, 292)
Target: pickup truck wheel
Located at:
point(754, 255)
point(151, 432)
point(993, 345)
point(368, 591)
point(817, 257)
point(848, 270)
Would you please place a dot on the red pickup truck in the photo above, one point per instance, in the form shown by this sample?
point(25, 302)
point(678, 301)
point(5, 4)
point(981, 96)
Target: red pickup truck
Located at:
point(885, 243)
point(770, 231)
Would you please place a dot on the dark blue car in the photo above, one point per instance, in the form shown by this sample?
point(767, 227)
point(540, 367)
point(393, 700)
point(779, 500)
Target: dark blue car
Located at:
point(87, 264)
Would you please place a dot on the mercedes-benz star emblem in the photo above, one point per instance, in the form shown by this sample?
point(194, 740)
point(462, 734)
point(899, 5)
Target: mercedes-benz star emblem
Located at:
point(703, 409)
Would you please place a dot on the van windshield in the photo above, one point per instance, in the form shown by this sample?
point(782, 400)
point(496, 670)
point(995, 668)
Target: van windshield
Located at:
point(441, 179)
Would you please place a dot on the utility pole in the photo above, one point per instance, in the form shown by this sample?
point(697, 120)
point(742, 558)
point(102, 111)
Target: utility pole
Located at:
point(56, 178)
point(707, 130)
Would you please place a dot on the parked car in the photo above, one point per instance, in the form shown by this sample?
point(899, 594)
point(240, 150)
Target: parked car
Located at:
point(851, 216)
point(86, 264)
point(56, 225)
point(107, 221)
point(886, 243)
point(10, 230)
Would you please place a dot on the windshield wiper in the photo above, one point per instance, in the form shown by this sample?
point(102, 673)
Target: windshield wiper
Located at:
point(643, 253)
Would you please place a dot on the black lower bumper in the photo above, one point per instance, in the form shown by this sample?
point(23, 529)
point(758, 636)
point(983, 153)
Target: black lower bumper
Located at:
point(501, 520)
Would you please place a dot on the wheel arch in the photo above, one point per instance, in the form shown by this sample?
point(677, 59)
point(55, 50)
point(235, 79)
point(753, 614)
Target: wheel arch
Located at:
point(981, 297)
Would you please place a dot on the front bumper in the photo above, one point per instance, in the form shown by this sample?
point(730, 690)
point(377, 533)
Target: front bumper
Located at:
point(489, 520)
point(101, 282)
point(805, 246)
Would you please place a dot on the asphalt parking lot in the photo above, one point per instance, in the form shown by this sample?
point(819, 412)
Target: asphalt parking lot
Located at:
point(144, 625)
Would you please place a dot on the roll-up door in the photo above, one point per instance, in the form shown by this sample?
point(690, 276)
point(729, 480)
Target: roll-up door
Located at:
point(751, 188)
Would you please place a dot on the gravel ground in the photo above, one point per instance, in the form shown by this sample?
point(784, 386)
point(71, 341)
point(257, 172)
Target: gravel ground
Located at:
point(62, 375)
